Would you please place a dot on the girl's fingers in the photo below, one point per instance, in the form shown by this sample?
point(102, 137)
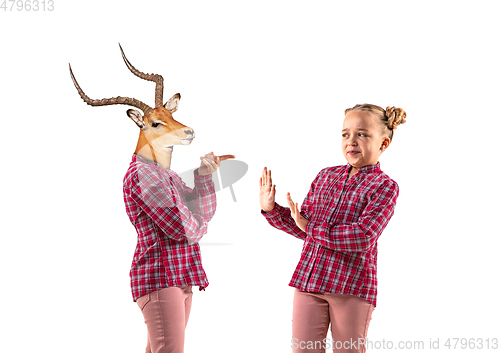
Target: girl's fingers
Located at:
point(294, 207)
point(290, 204)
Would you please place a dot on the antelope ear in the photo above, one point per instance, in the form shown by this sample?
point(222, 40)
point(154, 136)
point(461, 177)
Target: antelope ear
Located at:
point(173, 103)
point(136, 117)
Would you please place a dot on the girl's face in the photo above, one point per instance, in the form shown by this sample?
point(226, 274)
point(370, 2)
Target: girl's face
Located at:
point(362, 140)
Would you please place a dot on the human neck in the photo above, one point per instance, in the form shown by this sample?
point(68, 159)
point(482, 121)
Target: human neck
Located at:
point(352, 171)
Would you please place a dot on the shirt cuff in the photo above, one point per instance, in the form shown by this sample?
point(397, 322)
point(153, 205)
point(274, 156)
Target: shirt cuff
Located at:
point(201, 178)
point(309, 228)
point(273, 213)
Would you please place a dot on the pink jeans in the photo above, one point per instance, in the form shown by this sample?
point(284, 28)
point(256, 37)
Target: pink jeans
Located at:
point(313, 312)
point(166, 313)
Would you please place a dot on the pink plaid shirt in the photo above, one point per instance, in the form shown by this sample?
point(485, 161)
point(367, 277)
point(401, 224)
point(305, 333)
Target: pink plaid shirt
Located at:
point(170, 218)
point(346, 218)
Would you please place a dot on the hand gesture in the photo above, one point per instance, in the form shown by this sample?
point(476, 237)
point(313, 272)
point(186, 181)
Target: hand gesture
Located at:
point(267, 191)
point(210, 163)
point(294, 210)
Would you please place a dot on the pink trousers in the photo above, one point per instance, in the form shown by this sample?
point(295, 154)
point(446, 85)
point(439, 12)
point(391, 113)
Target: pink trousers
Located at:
point(166, 313)
point(348, 315)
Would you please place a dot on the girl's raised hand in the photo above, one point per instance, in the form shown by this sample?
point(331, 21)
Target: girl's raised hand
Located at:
point(295, 212)
point(267, 191)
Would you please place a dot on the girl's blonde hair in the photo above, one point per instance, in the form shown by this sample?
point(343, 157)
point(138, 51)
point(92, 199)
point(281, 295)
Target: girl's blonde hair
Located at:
point(391, 117)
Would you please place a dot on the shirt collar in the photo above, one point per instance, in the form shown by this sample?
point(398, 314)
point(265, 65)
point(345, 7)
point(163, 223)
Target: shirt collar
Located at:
point(137, 158)
point(375, 168)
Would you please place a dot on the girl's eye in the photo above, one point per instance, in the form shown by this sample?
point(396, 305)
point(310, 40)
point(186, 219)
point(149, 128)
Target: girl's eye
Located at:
point(361, 134)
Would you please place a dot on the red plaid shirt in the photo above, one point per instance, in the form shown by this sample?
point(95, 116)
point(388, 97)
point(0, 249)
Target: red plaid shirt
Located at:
point(170, 218)
point(346, 218)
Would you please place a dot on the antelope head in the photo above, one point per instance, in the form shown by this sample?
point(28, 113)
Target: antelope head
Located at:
point(159, 131)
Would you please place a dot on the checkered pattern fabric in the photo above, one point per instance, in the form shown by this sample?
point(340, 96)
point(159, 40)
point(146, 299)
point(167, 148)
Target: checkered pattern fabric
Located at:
point(170, 218)
point(345, 219)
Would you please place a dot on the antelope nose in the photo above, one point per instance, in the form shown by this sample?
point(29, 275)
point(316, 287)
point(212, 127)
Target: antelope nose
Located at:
point(189, 132)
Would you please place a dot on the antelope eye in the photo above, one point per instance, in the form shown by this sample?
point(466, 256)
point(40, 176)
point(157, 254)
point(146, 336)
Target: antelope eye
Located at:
point(154, 124)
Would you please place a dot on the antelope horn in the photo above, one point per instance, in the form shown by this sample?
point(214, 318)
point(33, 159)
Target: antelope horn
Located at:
point(158, 79)
point(147, 110)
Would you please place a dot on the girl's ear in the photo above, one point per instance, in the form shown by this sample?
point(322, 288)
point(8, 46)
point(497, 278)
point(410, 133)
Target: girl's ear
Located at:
point(385, 144)
point(173, 103)
point(137, 118)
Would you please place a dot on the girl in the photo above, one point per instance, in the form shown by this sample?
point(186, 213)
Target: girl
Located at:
point(341, 218)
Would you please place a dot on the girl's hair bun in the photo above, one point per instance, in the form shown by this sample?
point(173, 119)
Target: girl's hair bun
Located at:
point(395, 116)
point(390, 118)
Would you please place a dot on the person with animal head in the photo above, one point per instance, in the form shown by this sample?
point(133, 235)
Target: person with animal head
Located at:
point(169, 217)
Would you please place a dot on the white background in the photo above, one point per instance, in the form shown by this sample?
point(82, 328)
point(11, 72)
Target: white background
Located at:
point(267, 81)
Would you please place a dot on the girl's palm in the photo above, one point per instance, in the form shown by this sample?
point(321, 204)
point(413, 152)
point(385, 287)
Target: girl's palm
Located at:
point(267, 191)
